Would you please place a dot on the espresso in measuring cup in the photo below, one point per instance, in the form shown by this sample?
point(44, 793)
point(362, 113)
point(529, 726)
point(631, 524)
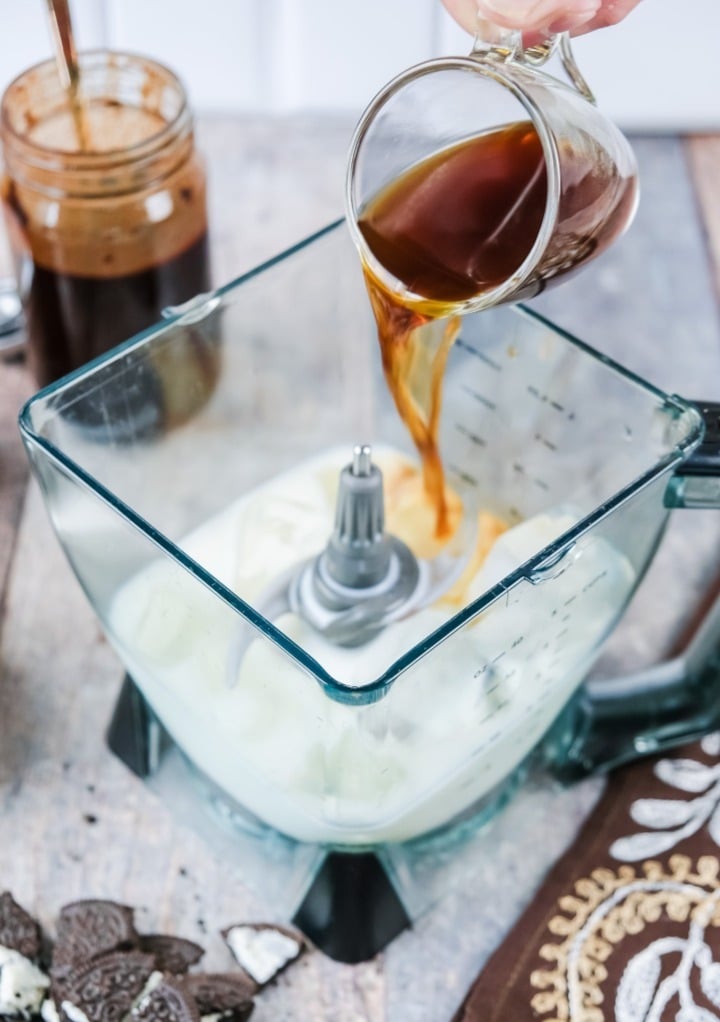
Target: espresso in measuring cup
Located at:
point(108, 226)
point(463, 220)
point(461, 223)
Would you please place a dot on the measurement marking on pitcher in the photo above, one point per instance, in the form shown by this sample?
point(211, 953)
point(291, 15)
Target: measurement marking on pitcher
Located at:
point(520, 469)
point(547, 399)
point(464, 346)
point(465, 476)
point(594, 581)
point(473, 437)
point(534, 392)
point(480, 398)
point(540, 439)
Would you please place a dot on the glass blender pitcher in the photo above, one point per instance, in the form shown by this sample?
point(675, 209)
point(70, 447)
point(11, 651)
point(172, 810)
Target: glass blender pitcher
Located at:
point(183, 536)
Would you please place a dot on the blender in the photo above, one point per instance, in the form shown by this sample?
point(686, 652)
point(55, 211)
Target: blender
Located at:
point(327, 695)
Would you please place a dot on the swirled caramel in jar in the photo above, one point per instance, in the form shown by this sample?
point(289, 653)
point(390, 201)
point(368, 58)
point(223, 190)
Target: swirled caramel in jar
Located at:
point(101, 266)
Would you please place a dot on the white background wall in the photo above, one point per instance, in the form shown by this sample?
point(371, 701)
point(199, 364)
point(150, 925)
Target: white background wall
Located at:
point(656, 72)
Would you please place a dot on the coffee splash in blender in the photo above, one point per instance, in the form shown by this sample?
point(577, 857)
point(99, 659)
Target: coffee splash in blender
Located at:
point(451, 227)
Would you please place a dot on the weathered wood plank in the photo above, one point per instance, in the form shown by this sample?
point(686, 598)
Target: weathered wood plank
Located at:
point(15, 387)
point(704, 158)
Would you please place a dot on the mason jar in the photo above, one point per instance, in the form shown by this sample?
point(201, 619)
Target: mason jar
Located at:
point(105, 205)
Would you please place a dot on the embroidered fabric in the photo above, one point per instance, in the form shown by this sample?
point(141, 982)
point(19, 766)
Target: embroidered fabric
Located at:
point(627, 925)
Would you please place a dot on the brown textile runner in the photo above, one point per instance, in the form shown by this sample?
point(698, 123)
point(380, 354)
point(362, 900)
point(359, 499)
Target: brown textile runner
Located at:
point(626, 927)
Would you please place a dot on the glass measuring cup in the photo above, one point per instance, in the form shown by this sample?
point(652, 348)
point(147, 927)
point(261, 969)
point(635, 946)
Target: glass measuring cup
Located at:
point(441, 248)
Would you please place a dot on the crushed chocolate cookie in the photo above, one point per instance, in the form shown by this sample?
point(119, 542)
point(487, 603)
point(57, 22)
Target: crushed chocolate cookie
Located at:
point(172, 954)
point(90, 928)
point(106, 988)
point(103, 971)
point(18, 930)
point(170, 1001)
point(262, 949)
point(222, 993)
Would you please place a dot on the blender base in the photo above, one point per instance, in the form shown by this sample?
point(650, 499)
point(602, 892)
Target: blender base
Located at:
point(351, 910)
point(351, 903)
point(344, 902)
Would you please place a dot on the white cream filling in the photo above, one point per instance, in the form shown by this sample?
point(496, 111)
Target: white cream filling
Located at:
point(261, 953)
point(22, 984)
point(74, 1013)
point(154, 980)
point(49, 1011)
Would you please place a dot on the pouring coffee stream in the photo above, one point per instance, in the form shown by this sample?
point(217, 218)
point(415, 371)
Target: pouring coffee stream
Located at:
point(451, 227)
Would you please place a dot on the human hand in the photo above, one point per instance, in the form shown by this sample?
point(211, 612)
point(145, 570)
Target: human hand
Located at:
point(540, 18)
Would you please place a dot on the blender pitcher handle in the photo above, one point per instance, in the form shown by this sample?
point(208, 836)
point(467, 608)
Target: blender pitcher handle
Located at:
point(613, 721)
point(618, 720)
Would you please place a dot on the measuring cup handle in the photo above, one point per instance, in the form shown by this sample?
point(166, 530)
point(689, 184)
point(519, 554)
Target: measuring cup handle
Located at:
point(615, 721)
point(496, 42)
point(505, 45)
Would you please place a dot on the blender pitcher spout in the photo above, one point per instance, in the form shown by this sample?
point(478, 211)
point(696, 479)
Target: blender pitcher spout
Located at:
point(696, 483)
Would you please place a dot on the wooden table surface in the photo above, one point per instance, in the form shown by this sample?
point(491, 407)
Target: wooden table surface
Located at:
point(75, 823)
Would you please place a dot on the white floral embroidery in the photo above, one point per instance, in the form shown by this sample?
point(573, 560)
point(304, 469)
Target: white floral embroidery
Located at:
point(643, 997)
point(672, 820)
point(711, 744)
point(668, 975)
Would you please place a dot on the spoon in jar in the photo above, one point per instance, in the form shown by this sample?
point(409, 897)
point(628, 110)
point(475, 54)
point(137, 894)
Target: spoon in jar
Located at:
point(68, 68)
